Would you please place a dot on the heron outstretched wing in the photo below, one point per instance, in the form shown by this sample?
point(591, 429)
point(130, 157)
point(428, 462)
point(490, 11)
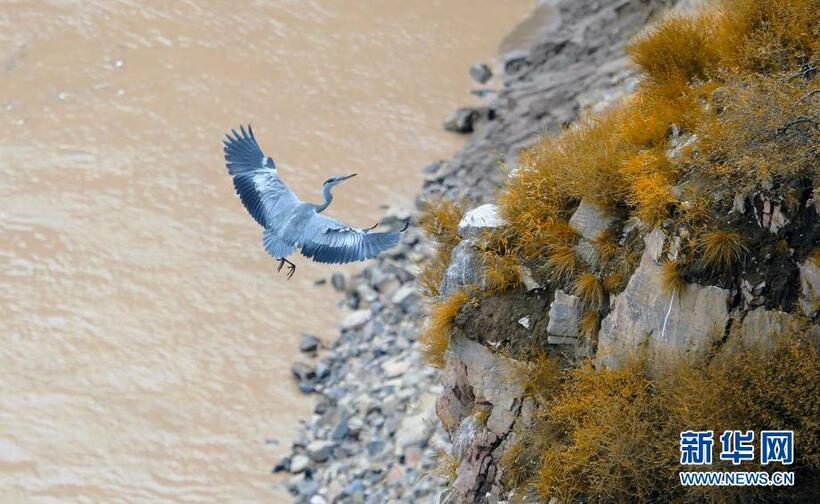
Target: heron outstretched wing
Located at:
point(327, 240)
point(258, 185)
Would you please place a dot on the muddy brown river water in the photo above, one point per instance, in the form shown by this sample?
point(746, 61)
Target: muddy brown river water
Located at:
point(146, 337)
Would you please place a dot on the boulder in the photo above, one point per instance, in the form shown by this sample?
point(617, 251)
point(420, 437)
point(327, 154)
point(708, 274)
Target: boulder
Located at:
point(466, 268)
point(590, 219)
point(564, 316)
point(809, 287)
point(463, 120)
point(480, 73)
point(492, 377)
point(645, 315)
point(480, 219)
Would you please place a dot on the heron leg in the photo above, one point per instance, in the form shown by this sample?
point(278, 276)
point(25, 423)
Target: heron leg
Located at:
point(281, 263)
point(372, 228)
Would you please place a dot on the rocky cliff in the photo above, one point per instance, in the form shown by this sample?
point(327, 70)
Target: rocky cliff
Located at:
point(665, 257)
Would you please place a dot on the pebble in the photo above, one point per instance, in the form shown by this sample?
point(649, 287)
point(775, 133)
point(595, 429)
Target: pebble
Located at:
point(309, 343)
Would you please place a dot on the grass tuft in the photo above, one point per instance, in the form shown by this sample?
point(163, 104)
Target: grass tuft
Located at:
point(590, 290)
point(436, 338)
point(563, 262)
point(672, 278)
point(722, 250)
point(589, 324)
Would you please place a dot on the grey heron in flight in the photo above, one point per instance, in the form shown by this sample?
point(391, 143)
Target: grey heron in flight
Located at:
point(288, 222)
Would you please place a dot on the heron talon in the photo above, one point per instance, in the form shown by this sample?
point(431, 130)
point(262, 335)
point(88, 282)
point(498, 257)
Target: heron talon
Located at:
point(372, 228)
point(281, 263)
point(292, 270)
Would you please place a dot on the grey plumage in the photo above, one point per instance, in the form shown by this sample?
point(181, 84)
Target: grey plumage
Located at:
point(288, 222)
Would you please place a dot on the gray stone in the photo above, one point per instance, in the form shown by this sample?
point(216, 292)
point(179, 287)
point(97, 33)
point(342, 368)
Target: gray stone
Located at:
point(320, 451)
point(478, 220)
point(809, 287)
point(646, 315)
point(414, 430)
point(356, 319)
point(739, 203)
point(501, 418)
point(298, 463)
point(375, 447)
point(561, 340)
point(564, 315)
point(464, 436)
point(307, 487)
point(481, 73)
point(527, 279)
point(302, 371)
point(590, 219)
point(309, 343)
point(406, 296)
point(491, 376)
point(463, 120)
point(395, 367)
point(466, 268)
point(337, 280)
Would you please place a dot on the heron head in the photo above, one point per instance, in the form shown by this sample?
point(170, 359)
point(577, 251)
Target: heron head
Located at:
point(269, 163)
point(338, 179)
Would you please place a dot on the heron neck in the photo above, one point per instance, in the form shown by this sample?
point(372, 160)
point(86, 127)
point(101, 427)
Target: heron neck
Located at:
point(328, 198)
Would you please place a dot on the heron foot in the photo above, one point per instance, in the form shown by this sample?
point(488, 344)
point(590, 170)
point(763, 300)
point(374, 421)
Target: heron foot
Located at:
point(291, 267)
point(372, 228)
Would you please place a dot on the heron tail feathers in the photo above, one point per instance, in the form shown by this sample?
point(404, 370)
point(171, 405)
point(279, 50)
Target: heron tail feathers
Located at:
point(275, 245)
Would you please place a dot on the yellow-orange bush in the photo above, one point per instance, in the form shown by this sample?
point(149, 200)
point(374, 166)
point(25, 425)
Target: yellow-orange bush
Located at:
point(612, 435)
point(678, 47)
point(436, 338)
point(502, 272)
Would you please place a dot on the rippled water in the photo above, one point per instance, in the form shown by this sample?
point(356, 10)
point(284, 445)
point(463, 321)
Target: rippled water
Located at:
point(146, 337)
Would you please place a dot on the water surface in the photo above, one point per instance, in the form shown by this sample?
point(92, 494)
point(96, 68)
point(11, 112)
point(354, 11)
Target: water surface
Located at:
point(146, 337)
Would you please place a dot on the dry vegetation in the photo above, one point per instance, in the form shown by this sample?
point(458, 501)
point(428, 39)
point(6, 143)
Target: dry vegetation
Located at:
point(612, 435)
point(436, 338)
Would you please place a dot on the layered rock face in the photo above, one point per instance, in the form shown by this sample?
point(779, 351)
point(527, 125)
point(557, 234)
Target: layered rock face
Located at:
point(483, 403)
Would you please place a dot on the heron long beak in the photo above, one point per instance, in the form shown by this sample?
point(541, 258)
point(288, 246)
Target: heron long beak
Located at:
point(349, 176)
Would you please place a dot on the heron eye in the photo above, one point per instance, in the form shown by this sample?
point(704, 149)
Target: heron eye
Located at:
point(328, 181)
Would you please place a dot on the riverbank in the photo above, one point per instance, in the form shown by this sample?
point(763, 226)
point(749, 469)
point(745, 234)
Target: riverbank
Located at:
point(374, 435)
